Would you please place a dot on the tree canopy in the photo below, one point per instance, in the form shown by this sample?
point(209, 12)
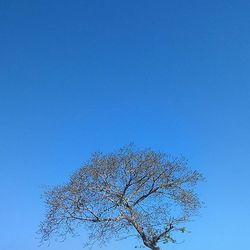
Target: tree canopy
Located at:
point(143, 193)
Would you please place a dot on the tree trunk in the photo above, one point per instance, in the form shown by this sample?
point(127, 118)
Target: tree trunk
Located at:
point(155, 248)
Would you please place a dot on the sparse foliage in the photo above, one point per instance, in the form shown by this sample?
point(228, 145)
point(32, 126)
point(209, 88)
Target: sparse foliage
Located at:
point(139, 192)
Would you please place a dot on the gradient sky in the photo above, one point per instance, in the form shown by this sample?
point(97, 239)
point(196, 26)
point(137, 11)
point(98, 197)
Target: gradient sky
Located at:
point(80, 76)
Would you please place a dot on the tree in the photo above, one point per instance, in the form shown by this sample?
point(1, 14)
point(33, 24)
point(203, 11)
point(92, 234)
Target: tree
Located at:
point(143, 192)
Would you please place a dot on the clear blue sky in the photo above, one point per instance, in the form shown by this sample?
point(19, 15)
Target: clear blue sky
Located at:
point(79, 76)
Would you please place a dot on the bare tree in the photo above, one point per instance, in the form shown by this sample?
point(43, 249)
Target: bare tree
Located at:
point(139, 192)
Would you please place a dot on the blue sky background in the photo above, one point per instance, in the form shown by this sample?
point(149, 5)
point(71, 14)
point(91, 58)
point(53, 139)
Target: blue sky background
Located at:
point(80, 76)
